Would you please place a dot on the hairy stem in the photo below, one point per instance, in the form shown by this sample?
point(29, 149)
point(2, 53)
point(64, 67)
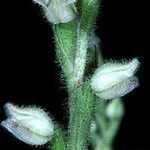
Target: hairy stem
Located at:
point(81, 110)
point(58, 142)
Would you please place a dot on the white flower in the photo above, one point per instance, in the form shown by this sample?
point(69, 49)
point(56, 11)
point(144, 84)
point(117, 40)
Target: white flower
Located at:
point(113, 80)
point(29, 124)
point(58, 11)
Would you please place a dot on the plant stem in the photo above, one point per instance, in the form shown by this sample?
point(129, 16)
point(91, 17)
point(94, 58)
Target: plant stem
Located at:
point(58, 142)
point(108, 127)
point(81, 110)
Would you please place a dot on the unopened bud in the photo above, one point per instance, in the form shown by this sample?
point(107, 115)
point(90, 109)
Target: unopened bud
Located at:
point(113, 80)
point(115, 109)
point(29, 124)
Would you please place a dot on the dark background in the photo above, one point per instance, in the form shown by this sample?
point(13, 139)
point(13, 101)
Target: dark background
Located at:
point(29, 72)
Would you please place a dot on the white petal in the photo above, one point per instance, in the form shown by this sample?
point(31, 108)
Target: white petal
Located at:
point(24, 134)
point(119, 89)
point(42, 2)
point(114, 79)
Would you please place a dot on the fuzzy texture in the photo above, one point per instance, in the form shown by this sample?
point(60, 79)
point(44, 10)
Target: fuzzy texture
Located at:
point(113, 80)
point(81, 110)
point(58, 11)
point(80, 58)
point(65, 37)
point(29, 124)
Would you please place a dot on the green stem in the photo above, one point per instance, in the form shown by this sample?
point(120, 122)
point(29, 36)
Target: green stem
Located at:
point(100, 116)
point(88, 12)
point(58, 141)
point(108, 126)
point(112, 131)
point(81, 110)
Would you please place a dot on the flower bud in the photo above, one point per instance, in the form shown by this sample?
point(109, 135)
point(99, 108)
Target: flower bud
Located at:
point(115, 109)
point(29, 124)
point(58, 11)
point(113, 80)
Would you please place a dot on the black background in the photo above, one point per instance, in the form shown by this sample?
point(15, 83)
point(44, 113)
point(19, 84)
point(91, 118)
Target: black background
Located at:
point(29, 72)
